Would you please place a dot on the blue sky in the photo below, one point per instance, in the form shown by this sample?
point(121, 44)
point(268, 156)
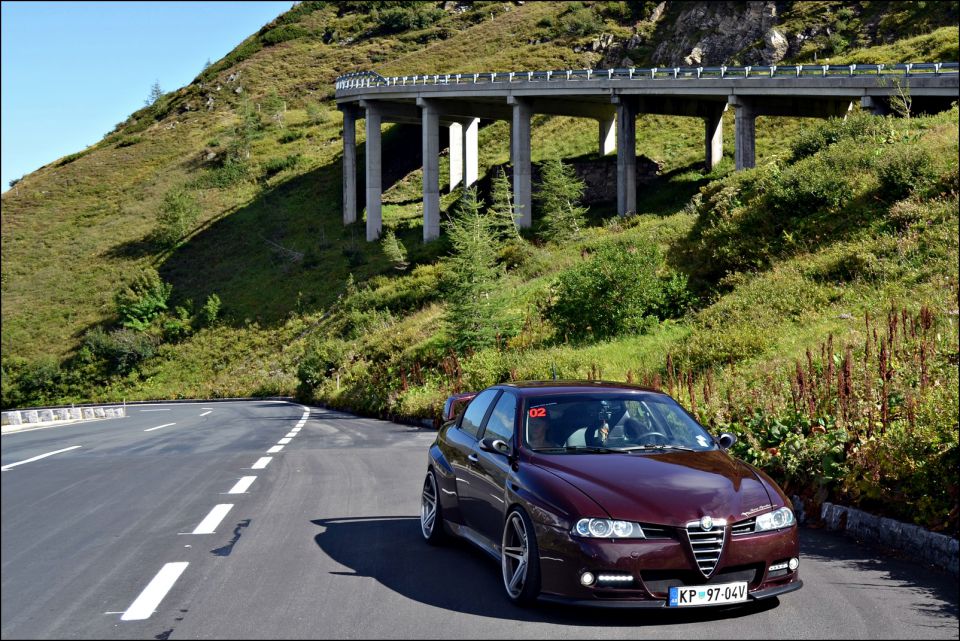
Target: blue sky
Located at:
point(73, 70)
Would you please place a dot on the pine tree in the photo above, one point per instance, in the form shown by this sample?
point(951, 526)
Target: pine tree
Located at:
point(559, 195)
point(473, 311)
point(156, 93)
point(500, 212)
point(394, 250)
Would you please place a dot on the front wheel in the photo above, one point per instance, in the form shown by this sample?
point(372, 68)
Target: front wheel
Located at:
point(431, 518)
point(520, 558)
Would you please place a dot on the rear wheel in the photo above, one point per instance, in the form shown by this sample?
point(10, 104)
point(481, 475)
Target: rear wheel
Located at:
point(431, 518)
point(520, 558)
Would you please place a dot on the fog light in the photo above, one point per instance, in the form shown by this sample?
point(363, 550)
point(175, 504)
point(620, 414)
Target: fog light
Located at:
point(794, 563)
point(587, 578)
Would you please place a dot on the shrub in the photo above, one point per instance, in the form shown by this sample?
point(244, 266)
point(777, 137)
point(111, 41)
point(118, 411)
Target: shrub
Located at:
point(177, 216)
point(283, 33)
point(316, 114)
point(903, 170)
point(141, 301)
point(414, 15)
point(322, 360)
point(860, 126)
point(210, 310)
point(127, 141)
point(290, 136)
point(581, 21)
point(276, 165)
point(123, 349)
point(616, 291)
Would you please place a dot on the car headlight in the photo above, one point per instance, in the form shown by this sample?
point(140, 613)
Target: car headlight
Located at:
point(608, 529)
point(775, 520)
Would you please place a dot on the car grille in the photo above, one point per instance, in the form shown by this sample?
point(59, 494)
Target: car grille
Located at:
point(743, 527)
point(707, 546)
point(659, 582)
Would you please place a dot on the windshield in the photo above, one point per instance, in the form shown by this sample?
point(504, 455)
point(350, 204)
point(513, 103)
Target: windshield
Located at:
point(634, 422)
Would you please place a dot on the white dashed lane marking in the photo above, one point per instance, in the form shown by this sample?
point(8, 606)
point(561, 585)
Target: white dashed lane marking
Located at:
point(274, 449)
point(242, 485)
point(284, 441)
point(261, 463)
point(205, 413)
point(159, 409)
point(37, 458)
point(209, 524)
point(291, 434)
point(158, 427)
point(146, 604)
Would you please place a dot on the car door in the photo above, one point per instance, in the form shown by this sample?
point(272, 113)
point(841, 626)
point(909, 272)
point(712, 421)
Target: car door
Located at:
point(491, 471)
point(461, 444)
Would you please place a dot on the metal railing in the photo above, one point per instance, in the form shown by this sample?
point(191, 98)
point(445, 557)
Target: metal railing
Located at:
point(361, 79)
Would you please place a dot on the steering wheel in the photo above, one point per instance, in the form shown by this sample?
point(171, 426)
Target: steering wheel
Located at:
point(663, 438)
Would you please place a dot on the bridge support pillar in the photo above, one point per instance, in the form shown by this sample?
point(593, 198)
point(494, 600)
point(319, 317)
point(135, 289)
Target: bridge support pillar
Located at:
point(431, 168)
point(745, 120)
point(471, 163)
point(349, 164)
point(520, 159)
point(714, 137)
point(608, 136)
point(874, 105)
point(626, 155)
point(373, 162)
point(456, 154)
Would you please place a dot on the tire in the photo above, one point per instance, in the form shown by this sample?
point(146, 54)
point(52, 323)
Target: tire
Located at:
point(520, 558)
point(431, 515)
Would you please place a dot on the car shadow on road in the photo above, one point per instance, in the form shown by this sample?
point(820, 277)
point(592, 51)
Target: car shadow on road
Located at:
point(459, 577)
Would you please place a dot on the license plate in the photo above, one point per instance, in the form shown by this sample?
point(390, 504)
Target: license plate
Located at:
point(708, 594)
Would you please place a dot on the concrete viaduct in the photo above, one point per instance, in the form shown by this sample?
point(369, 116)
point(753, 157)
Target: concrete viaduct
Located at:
point(612, 97)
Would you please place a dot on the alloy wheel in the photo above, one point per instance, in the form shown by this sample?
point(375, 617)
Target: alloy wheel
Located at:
point(515, 555)
point(428, 506)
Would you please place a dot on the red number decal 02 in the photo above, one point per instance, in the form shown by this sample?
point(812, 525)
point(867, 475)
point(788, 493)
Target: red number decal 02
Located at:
point(538, 412)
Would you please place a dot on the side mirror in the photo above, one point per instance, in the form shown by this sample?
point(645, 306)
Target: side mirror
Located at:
point(496, 445)
point(726, 440)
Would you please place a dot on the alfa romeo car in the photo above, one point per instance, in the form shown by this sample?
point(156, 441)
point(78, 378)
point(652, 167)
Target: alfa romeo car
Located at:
point(601, 493)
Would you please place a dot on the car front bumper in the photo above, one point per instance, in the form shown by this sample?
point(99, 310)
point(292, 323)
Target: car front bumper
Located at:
point(655, 565)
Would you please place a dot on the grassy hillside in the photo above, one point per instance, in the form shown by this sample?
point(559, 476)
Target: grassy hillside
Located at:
point(809, 304)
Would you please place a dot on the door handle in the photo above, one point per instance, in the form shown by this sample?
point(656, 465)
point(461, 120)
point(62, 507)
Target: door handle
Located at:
point(473, 458)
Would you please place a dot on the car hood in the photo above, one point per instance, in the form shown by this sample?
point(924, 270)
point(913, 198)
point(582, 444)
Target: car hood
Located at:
point(668, 488)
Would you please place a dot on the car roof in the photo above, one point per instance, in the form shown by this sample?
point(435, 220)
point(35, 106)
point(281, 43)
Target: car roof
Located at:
point(539, 388)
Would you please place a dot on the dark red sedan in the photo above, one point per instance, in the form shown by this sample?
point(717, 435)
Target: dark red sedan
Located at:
point(607, 494)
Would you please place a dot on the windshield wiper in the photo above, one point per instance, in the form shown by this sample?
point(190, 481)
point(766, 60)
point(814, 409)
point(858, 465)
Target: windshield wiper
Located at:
point(641, 448)
point(576, 449)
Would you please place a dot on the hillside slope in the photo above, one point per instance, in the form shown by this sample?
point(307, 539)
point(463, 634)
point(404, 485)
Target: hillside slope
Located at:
point(252, 286)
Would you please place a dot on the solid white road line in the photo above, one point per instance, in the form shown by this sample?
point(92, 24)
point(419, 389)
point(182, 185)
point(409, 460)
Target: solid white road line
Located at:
point(242, 485)
point(159, 426)
point(146, 604)
point(284, 441)
point(261, 463)
point(209, 524)
point(274, 449)
point(37, 458)
point(205, 413)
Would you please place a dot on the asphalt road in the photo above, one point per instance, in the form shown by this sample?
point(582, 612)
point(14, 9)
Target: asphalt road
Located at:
point(122, 537)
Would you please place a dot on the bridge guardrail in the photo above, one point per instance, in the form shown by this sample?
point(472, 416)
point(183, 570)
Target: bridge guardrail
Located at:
point(360, 79)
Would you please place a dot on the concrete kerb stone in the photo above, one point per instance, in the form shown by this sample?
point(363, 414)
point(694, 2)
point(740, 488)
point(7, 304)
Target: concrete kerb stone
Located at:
point(931, 547)
point(15, 420)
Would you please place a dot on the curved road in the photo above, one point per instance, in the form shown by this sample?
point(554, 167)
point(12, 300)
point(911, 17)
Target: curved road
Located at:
point(127, 535)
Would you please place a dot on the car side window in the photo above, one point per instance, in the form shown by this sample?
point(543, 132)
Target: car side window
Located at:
point(473, 417)
point(501, 421)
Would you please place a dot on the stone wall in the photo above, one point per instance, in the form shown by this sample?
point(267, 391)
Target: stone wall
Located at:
point(598, 174)
point(937, 549)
